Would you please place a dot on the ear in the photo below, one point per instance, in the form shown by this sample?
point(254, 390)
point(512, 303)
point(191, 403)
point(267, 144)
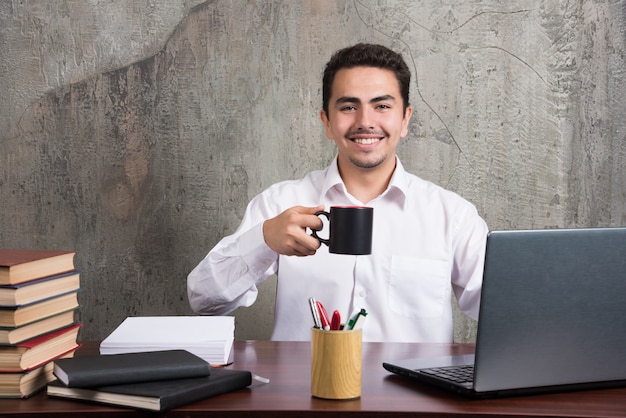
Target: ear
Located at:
point(405, 121)
point(326, 122)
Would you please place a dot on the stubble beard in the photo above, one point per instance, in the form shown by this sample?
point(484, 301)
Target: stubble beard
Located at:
point(368, 164)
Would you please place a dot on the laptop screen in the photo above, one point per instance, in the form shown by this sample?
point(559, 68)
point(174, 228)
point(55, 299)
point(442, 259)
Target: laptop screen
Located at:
point(553, 308)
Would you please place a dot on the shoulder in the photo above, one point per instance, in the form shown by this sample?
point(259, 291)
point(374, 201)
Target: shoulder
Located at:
point(304, 191)
point(312, 180)
point(421, 190)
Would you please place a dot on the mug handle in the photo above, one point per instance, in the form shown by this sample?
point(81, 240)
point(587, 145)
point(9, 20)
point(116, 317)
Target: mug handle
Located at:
point(314, 232)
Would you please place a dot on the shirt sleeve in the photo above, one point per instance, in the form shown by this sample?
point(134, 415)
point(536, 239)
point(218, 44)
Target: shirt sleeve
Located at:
point(469, 260)
point(227, 277)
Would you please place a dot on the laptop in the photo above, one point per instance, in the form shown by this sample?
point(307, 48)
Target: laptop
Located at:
point(552, 317)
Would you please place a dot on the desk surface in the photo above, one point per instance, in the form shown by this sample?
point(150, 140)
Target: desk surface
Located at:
point(287, 365)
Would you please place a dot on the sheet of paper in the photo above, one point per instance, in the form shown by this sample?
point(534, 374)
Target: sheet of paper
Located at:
point(209, 337)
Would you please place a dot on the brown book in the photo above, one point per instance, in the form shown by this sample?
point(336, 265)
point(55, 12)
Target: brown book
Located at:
point(26, 384)
point(18, 266)
point(35, 352)
point(22, 315)
point(39, 289)
point(15, 335)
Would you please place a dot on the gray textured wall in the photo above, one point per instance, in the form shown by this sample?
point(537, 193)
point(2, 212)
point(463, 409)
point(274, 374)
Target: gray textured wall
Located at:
point(135, 131)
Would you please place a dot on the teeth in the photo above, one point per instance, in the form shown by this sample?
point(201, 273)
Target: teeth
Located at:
point(366, 141)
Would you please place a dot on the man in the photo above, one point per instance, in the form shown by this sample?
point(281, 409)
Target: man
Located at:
point(427, 242)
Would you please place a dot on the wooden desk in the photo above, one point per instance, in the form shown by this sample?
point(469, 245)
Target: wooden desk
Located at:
point(384, 395)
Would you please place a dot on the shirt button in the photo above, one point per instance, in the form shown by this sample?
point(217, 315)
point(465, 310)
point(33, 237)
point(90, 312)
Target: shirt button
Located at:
point(362, 293)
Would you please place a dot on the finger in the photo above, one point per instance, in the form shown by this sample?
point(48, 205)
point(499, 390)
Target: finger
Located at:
point(308, 209)
point(305, 250)
point(306, 245)
point(308, 219)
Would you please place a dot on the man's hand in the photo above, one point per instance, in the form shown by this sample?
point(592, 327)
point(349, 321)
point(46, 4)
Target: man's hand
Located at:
point(286, 234)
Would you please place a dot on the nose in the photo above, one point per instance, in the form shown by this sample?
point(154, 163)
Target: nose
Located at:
point(365, 118)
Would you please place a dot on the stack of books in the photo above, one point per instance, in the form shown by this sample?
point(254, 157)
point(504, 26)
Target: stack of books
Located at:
point(209, 337)
point(154, 381)
point(38, 300)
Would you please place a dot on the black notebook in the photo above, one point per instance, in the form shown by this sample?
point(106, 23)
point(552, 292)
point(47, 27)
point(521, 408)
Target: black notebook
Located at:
point(115, 369)
point(158, 395)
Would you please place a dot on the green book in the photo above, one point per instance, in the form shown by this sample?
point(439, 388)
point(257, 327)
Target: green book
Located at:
point(158, 395)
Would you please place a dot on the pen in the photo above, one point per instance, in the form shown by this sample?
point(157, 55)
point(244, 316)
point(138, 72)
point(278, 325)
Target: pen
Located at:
point(335, 322)
point(354, 319)
point(358, 323)
point(314, 311)
point(323, 316)
point(351, 321)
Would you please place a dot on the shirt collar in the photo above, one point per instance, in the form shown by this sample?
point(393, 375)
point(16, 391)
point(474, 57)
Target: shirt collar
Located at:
point(396, 191)
point(332, 178)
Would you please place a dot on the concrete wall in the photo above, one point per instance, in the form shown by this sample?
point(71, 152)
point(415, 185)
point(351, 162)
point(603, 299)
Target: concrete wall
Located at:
point(135, 131)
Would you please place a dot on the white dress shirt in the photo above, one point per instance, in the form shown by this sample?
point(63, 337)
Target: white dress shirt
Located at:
point(427, 243)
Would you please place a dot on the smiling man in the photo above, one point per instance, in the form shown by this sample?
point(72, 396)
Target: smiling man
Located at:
point(427, 242)
point(368, 118)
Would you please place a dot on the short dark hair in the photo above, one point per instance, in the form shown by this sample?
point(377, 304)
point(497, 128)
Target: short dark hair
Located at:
point(366, 55)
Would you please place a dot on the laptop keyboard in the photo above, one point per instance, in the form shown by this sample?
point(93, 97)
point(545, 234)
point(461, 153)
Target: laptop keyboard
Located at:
point(459, 374)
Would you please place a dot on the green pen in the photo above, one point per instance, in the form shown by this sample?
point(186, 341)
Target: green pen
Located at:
point(358, 324)
point(352, 321)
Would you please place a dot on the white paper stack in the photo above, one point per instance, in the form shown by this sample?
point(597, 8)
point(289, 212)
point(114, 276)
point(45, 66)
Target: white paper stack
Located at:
point(208, 337)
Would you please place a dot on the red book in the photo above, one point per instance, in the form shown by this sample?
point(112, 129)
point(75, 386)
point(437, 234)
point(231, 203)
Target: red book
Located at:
point(37, 351)
point(18, 266)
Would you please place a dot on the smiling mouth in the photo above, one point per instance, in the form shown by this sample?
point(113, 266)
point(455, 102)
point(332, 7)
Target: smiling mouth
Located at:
point(366, 141)
point(365, 138)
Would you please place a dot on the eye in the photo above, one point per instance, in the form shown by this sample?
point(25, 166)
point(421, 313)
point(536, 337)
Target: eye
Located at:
point(348, 108)
point(383, 106)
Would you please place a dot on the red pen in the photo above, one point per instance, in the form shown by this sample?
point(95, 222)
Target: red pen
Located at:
point(323, 316)
point(335, 323)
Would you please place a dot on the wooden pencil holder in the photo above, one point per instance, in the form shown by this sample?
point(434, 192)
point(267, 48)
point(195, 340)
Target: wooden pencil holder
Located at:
point(336, 360)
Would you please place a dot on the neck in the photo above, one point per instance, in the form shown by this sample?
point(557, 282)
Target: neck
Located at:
point(366, 184)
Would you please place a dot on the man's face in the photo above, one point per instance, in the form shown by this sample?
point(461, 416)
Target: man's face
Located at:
point(365, 118)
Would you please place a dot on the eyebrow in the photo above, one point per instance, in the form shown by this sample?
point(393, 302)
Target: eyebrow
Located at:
point(347, 99)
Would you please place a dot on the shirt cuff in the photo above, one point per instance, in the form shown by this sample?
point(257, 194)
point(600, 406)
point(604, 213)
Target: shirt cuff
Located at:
point(255, 252)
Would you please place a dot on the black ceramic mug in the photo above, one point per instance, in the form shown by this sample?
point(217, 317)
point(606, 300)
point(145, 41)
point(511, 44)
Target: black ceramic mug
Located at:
point(350, 229)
